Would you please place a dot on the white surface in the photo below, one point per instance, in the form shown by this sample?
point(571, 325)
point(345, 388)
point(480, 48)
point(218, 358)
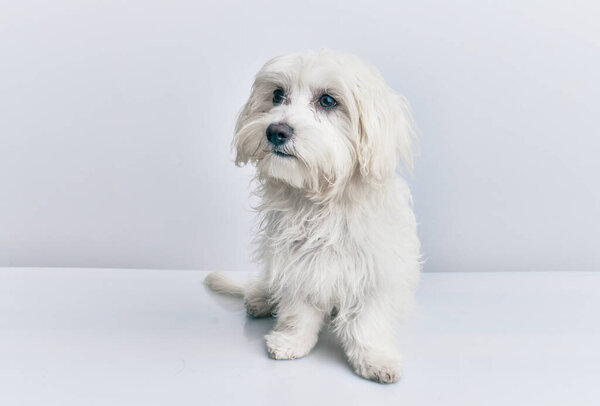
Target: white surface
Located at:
point(128, 337)
point(116, 119)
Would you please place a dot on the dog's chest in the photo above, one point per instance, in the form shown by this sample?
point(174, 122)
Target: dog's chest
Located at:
point(324, 257)
point(306, 234)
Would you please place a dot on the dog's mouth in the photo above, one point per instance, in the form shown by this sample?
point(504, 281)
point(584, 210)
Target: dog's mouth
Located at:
point(283, 154)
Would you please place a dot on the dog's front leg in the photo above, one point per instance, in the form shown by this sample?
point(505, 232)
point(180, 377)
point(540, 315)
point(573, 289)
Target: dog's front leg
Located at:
point(369, 341)
point(296, 330)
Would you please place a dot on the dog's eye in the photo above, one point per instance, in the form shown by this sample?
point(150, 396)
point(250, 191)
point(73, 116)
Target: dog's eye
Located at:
point(278, 96)
point(327, 102)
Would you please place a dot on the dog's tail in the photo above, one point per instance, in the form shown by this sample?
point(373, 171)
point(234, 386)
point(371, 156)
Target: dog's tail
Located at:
point(221, 283)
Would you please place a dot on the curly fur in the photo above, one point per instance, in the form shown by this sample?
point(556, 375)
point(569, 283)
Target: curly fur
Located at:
point(337, 236)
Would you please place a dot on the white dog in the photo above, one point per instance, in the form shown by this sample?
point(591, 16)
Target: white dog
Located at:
point(337, 235)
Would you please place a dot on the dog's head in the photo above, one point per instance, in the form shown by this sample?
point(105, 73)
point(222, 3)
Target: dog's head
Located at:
point(317, 120)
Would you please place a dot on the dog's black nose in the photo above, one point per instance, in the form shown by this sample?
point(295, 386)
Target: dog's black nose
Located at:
point(279, 133)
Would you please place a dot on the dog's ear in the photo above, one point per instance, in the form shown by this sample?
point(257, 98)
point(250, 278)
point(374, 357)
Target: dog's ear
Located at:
point(237, 145)
point(385, 127)
point(243, 143)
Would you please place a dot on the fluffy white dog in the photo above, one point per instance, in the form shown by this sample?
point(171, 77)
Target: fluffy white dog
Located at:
point(337, 236)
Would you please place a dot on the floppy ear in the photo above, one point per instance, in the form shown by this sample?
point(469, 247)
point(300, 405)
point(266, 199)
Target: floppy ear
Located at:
point(244, 142)
point(385, 126)
point(240, 137)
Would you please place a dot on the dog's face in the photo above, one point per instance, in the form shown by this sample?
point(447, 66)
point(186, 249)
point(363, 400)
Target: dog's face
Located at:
point(317, 120)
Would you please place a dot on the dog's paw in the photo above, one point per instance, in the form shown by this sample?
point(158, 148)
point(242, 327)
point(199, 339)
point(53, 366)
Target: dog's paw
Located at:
point(282, 346)
point(378, 369)
point(258, 307)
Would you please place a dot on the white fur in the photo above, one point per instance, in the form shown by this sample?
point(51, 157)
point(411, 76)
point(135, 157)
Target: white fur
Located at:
point(337, 236)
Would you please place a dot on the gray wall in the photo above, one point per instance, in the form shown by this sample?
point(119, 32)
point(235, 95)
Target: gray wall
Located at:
point(116, 120)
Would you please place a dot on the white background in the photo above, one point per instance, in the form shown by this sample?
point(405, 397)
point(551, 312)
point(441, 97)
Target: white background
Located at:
point(116, 119)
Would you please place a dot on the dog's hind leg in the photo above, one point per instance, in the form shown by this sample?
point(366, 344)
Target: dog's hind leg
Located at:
point(257, 299)
point(255, 293)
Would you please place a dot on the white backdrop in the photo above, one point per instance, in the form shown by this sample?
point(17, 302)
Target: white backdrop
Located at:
point(116, 119)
